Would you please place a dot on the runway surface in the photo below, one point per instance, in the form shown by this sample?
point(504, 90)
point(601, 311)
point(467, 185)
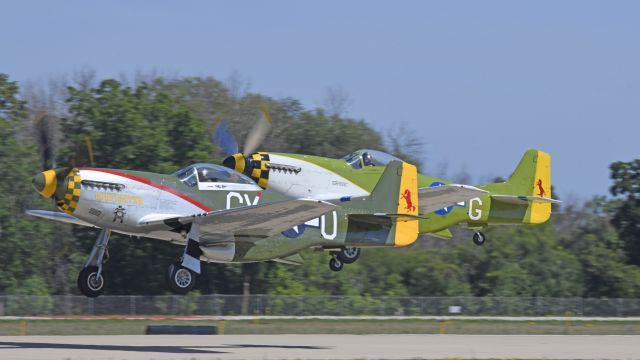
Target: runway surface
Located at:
point(321, 347)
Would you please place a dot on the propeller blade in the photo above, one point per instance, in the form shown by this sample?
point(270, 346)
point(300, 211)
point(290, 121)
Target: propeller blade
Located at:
point(87, 141)
point(44, 137)
point(259, 132)
point(225, 140)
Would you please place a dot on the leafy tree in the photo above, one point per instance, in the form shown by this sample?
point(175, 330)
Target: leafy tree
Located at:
point(133, 128)
point(315, 133)
point(626, 216)
point(434, 273)
point(406, 144)
point(142, 129)
point(24, 244)
point(524, 261)
point(162, 125)
point(593, 240)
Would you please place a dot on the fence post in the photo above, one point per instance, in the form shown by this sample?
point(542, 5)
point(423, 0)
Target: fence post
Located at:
point(90, 306)
point(132, 305)
point(301, 305)
point(245, 297)
point(619, 307)
point(22, 328)
point(578, 311)
point(442, 327)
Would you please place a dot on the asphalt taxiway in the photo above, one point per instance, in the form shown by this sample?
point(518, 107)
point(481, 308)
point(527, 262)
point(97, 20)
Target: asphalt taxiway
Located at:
point(321, 347)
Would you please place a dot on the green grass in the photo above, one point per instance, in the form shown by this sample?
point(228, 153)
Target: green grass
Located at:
point(126, 327)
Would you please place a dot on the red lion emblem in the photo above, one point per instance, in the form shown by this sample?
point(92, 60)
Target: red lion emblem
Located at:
point(540, 188)
point(407, 198)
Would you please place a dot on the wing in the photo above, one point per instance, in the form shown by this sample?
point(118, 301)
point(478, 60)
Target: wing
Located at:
point(434, 198)
point(58, 216)
point(256, 221)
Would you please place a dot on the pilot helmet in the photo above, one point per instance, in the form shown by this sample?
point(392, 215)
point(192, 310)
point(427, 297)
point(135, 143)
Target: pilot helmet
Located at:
point(367, 159)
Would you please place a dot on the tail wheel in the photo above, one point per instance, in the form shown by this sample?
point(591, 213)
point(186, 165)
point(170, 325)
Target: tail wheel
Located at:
point(335, 264)
point(479, 238)
point(349, 255)
point(90, 283)
point(181, 280)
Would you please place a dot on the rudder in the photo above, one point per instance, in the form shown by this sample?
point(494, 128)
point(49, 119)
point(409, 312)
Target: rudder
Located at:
point(393, 200)
point(532, 177)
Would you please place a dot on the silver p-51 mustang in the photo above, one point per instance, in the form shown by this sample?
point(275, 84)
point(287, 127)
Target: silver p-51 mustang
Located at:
point(220, 215)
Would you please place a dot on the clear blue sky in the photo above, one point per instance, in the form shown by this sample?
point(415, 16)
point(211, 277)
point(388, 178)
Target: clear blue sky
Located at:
point(480, 81)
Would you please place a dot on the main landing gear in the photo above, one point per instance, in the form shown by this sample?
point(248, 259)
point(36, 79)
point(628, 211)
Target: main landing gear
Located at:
point(346, 255)
point(479, 238)
point(181, 276)
point(91, 279)
point(180, 279)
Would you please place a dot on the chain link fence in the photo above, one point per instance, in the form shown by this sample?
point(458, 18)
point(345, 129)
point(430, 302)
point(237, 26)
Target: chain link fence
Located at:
point(280, 305)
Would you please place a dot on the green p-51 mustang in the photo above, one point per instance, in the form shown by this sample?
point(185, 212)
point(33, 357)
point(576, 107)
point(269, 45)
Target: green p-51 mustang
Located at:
point(276, 205)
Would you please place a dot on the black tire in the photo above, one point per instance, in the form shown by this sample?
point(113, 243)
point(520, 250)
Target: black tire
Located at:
point(180, 279)
point(335, 264)
point(479, 238)
point(349, 255)
point(89, 284)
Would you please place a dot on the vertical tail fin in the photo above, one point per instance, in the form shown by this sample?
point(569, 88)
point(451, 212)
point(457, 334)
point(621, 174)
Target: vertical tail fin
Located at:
point(530, 180)
point(397, 190)
point(532, 177)
point(393, 201)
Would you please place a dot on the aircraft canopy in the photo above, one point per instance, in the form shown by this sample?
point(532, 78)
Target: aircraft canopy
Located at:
point(204, 173)
point(367, 157)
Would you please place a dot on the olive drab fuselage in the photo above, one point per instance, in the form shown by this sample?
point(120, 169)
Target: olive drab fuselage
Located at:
point(298, 175)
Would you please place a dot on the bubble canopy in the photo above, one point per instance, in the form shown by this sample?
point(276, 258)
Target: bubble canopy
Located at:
point(210, 173)
point(367, 157)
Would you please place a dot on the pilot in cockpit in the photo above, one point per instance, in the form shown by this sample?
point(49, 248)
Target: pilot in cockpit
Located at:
point(203, 176)
point(367, 160)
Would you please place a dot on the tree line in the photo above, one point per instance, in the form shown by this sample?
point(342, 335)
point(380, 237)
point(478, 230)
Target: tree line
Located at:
point(161, 125)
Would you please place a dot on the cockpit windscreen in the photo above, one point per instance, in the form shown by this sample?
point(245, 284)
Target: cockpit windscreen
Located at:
point(207, 173)
point(368, 157)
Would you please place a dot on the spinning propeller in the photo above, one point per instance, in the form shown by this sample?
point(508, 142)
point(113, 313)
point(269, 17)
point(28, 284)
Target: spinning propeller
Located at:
point(251, 163)
point(62, 184)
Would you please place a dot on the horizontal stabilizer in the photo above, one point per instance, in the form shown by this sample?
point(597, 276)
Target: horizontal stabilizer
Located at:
point(439, 197)
point(58, 216)
point(512, 199)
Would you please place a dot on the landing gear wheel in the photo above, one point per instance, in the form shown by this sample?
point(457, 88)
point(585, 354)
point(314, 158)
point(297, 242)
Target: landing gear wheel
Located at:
point(181, 280)
point(349, 255)
point(89, 283)
point(479, 238)
point(335, 264)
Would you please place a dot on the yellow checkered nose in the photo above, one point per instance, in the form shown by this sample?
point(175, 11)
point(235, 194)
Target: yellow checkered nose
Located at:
point(236, 162)
point(45, 183)
point(254, 166)
point(62, 184)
